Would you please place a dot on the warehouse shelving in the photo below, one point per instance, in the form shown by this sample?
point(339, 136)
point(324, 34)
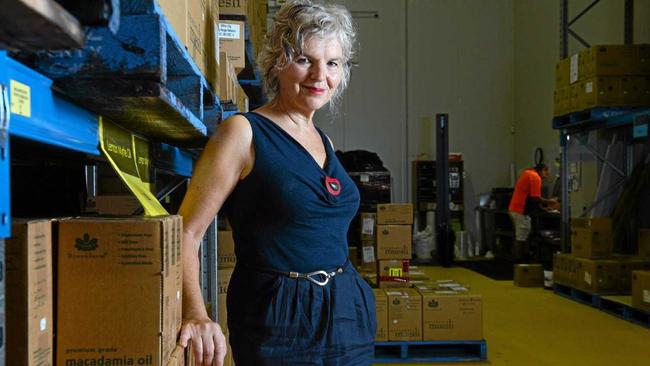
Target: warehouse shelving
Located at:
point(137, 75)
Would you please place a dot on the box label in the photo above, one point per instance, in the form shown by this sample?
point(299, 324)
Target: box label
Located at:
point(646, 296)
point(229, 31)
point(368, 254)
point(395, 272)
point(588, 278)
point(589, 87)
point(20, 99)
point(368, 226)
point(365, 178)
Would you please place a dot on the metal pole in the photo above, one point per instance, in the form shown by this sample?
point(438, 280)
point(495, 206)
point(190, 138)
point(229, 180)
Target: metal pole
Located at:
point(564, 29)
point(566, 208)
point(629, 22)
point(444, 240)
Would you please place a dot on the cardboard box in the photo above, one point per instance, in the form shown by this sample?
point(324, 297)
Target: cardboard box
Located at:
point(589, 243)
point(225, 94)
point(528, 275)
point(119, 290)
point(176, 13)
point(393, 273)
point(558, 269)
point(197, 13)
point(231, 41)
point(395, 214)
point(368, 226)
point(598, 276)
point(394, 241)
point(641, 290)
point(381, 306)
point(627, 266)
point(450, 316)
point(562, 69)
point(223, 280)
point(643, 243)
point(234, 7)
point(29, 293)
point(404, 315)
point(609, 60)
point(368, 254)
point(226, 257)
point(177, 357)
point(604, 91)
point(591, 237)
point(573, 103)
point(121, 205)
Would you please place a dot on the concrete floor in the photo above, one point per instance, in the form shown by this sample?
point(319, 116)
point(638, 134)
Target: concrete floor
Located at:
point(533, 326)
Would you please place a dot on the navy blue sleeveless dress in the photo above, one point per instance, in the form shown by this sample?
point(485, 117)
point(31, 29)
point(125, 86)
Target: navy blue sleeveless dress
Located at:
point(285, 217)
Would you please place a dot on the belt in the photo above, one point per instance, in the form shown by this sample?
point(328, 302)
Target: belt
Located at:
point(320, 277)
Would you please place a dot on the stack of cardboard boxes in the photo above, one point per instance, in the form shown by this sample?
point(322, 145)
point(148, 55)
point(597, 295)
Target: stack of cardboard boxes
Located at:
point(118, 291)
point(226, 261)
point(592, 266)
point(385, 244)
point(435, 312)
point(603, 76)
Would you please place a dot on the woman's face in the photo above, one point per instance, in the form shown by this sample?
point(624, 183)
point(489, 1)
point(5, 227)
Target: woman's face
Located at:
point(309, 82)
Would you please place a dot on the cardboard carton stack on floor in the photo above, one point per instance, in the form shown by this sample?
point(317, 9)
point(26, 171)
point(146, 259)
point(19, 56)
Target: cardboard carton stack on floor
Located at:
point(29, 293)
point(592, 266)
point(603, 76)
point(393, 242)
point(119, 290)
point(528, 275)
point(428, 313)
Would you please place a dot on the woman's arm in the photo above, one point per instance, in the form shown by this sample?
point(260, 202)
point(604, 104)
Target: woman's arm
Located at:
point(227, 157)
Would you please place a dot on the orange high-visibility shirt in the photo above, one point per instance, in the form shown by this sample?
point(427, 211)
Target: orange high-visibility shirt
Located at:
point(528, 185)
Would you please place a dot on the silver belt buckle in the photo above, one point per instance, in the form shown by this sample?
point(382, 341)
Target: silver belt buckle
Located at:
point(327, 276)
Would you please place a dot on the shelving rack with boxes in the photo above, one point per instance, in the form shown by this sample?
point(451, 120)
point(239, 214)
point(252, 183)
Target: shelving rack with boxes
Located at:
point(602, 243)
point(137, 69)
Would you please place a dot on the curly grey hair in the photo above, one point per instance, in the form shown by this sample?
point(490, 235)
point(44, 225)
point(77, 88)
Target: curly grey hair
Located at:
point(293, 25)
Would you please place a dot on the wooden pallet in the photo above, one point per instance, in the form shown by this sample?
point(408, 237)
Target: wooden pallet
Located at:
point(619, 306)
point(593, 115)
point(142, 77)
point(430, 351)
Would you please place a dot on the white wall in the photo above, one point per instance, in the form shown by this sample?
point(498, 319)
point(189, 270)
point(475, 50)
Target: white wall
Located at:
point(372, 116)
point(460, 61)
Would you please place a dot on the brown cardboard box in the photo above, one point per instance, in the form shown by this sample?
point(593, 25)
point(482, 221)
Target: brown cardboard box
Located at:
point(449, 316)
point(641, 290)
point(591, 237)
point(225, 250)
point(197, 14)
point(590, 243)
point(223, 280)
point(231, 41)
point(404, 315)
point(393, 273)
point(394, 242)
point(176, 13)
point(368, 254)
point(119, 290)
point(235, 7)
point(225, 85)
point(528, 275)
point(632, 88)
point(627, 266)
point(177, 357)
point(573, 103)
point(558, 272)
point(643, 243)
point(368, 226)
point(29, 293)
point(562, 69)
point(602, 91)
point(123, 205)
point(395, 214)
point(381, 306)
point(598, 276)
point(609, 60)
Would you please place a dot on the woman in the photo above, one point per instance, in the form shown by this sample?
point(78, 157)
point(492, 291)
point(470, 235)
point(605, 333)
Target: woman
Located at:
point(293, 298)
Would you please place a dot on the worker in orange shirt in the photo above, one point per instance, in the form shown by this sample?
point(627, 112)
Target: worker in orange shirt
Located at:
point(527, 197)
